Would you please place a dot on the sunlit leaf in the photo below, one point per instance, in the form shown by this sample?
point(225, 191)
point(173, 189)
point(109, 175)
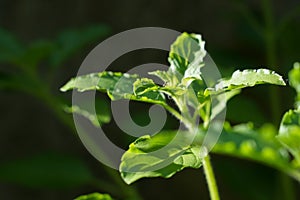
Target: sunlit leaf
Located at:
point(114, 82)
point(145, 157)
point(249, 78)
point(187, 52)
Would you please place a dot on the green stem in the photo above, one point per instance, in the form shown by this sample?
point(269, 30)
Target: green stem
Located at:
point(270, 36)
point(286, 186)
point(270, 50)
point(210, 179)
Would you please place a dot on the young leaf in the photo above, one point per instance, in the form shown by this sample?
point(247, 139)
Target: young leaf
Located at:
point(289, 133)
point(170, 79)
point(159, 156)
point(187, 52)
point(95, 196)
point(147, 88)
point(249, 78)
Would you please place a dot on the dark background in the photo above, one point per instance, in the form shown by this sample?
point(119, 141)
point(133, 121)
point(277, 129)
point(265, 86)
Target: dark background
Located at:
point(29, 127)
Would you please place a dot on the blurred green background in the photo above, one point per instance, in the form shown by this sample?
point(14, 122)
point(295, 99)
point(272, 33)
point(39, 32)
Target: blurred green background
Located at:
point(42, 44)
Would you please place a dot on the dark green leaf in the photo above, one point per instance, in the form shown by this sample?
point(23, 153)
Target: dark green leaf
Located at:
point(94, 196)
point(46, 171)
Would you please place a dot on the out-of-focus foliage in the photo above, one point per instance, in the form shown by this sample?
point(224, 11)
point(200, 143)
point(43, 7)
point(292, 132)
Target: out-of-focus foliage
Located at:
point(20, 70)
point(94, 196)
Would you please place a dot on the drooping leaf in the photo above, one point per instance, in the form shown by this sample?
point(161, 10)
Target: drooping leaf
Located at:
point(95, 196)
point(159, 155)
point(289, 133)
point(46, 171)
point(249, 78)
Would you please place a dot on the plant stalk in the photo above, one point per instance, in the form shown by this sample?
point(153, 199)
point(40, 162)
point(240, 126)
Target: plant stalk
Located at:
point(270, 36)
point(210, 179)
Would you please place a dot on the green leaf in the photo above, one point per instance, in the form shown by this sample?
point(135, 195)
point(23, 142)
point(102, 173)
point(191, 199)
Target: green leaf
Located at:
point(94, 196)
point(71, 41)
point(170, 79)
point(242, 141)
point(289, 133)
point(48, 170)
point(113, 82)
point(146, 158)
point(145, 87)
point(118, 86)
point(249, 78)
point(187, 52)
